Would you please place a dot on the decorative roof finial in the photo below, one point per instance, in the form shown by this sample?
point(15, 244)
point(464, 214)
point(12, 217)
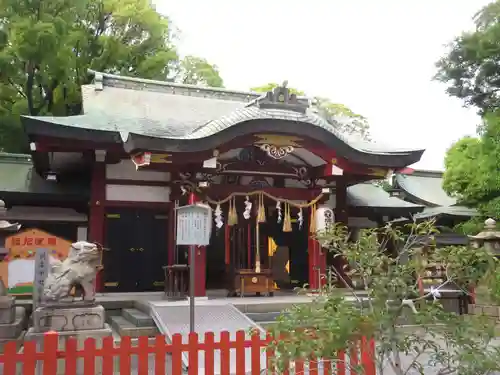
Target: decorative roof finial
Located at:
point(281, 98)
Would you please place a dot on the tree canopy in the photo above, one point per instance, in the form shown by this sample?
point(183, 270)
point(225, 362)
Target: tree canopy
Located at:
point(472, 174)
point(339, 115)
point(47, 47)
point(471, 67)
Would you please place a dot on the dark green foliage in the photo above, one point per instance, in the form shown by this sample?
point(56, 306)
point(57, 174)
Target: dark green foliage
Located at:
point(47, 47)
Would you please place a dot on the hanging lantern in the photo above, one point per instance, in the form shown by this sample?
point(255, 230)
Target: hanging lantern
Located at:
point(324, 218)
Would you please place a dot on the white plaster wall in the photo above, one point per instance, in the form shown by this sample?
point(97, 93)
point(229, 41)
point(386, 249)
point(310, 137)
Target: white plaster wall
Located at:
point(331, 202)
point(125, 170)
point(81, 234)
point(137, 193)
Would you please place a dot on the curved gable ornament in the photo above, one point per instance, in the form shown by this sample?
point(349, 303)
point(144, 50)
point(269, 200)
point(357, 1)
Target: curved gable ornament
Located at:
point(277, 146)
point(276, 152)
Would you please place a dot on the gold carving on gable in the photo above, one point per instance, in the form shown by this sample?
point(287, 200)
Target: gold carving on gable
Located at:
point(278, 140)
point(147, 158)
point(277, 146)
point(379, 172)
point(161, 158)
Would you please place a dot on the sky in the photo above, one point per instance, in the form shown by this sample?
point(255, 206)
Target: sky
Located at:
point(376, 57)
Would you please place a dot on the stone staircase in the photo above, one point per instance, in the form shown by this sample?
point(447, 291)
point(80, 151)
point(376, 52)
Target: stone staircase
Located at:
point(132, 322)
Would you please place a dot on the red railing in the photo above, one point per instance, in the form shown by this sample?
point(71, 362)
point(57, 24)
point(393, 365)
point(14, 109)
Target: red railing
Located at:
point(107, 357)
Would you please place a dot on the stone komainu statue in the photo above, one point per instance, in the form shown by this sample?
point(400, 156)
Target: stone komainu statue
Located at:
point(79, 269)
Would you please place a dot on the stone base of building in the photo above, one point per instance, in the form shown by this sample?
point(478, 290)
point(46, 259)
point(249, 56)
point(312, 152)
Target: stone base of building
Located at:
point(491, 311)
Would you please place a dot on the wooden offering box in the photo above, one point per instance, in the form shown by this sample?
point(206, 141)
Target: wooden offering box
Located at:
point(251, 282)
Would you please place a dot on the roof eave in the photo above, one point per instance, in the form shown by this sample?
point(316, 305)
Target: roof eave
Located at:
point(39, 126)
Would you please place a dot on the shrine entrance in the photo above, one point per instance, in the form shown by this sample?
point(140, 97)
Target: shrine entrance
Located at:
point(136, 244)
point(284, 254)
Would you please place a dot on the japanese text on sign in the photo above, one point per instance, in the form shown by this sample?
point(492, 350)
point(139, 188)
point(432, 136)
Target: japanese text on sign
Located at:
point(194, 225)
point(34, 241)
point(41, 270)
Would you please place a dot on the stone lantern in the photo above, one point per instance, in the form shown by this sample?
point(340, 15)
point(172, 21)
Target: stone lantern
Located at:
point(489, 238)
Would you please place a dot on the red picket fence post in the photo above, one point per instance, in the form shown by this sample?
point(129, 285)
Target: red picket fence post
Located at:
point(109, 357)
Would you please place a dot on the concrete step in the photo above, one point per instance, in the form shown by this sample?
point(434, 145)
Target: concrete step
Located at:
point(264, 316)
point(266, 325)
point(19, 342)
point(127, 328)
point(138, 318)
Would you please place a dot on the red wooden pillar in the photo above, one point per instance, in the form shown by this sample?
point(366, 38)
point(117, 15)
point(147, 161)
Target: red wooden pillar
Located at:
point(200, 262)
point(171, 234)
point(316, 260)
point(96, 211)
point(317, 263)
point(341, 216)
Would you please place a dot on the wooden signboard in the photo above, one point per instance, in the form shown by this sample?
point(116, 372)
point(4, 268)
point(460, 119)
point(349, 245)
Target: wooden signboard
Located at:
point(18, 267)
point(194, 225)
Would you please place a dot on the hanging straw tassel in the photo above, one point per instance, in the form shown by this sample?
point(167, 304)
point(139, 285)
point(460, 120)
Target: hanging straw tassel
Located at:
point(261, 213)
point(235, 213)
point(312, 220)
point(230, 214)
point(287, 221)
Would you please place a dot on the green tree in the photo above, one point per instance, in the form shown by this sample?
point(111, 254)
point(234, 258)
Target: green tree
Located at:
point(471, 68)
point(339, 115)
point(197, 71)
point(47, 47)
point(387, 295)
point(472, 174)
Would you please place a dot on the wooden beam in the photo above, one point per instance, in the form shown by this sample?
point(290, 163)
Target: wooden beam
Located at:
point(222, 191)
point(338, 166)
point(52, 144)
point(234, 167)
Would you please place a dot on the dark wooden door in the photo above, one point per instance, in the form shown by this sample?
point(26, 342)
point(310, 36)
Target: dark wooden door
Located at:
point(119, 259)
point(152, 249)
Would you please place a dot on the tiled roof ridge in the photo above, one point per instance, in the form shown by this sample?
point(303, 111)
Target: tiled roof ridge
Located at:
point(422, 172)
point(6, 157)
point(100, 82)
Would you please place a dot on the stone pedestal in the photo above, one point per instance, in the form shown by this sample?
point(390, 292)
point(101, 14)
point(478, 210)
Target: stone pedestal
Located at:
point(79, 321)
point(12, 319)
point(62, 318)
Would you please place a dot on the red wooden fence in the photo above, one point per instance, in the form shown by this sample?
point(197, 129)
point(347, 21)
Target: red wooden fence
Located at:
point(117, 358)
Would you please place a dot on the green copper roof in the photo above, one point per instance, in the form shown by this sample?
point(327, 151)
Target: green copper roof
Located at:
point(17, 175)
point(370, 195)
point(169, 117)
point(425, 187)
point(457, 211)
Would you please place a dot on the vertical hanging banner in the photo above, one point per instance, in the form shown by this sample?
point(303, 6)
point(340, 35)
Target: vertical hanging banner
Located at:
point(18, 267)
point(41, 272)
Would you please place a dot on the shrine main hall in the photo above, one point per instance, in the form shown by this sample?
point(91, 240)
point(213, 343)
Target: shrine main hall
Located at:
point(273, 170)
